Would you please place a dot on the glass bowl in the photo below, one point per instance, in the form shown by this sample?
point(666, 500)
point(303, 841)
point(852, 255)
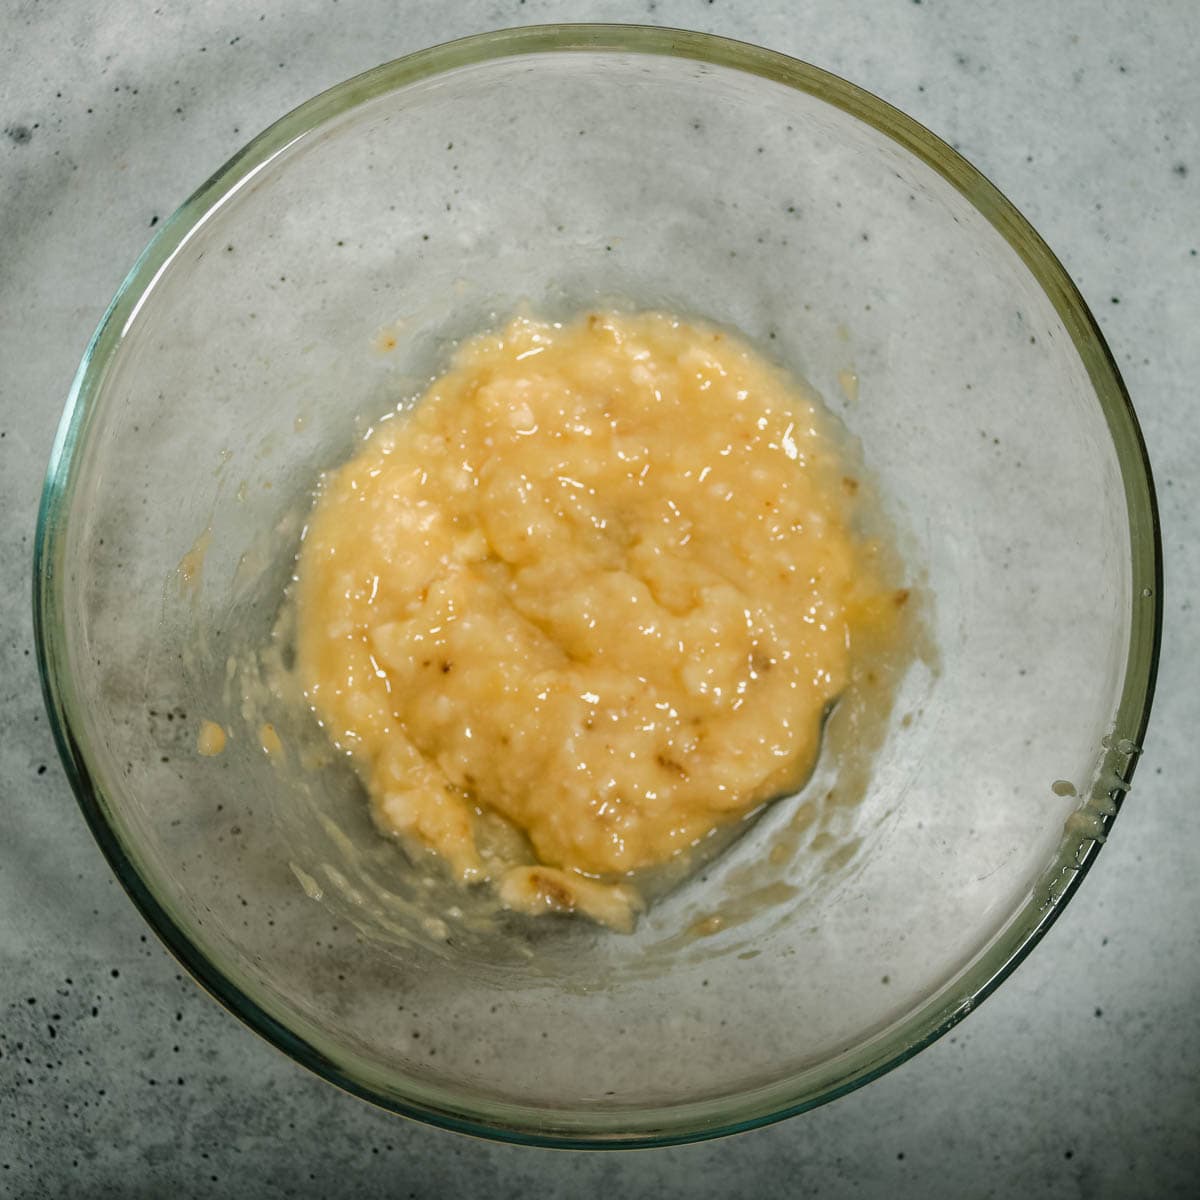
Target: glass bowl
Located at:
point(561, 167)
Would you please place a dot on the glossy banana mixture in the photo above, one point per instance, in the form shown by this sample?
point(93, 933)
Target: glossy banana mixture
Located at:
point(585, 602)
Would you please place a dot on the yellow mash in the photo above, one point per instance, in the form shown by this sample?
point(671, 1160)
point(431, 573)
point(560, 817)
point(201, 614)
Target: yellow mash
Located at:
point(598, 586)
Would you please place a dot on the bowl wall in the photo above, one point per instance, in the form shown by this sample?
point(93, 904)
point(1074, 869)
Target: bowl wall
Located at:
point(562, 169)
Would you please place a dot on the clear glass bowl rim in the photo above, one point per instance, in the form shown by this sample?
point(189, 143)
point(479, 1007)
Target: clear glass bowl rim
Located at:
point(693, 1120)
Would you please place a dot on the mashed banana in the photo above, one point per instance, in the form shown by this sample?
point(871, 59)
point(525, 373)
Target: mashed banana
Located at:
point(599, 587)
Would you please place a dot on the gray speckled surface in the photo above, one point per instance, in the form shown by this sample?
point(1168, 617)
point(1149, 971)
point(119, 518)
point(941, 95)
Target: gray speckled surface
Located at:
point(1079, 1078)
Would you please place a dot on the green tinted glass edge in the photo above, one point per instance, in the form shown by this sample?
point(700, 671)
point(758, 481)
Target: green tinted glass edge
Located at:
point(697, 1120)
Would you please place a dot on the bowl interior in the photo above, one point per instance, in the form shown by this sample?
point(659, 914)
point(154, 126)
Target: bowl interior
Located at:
point(424, 201)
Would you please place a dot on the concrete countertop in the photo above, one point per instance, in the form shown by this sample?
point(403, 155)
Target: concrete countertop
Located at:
point(1081, 1077)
